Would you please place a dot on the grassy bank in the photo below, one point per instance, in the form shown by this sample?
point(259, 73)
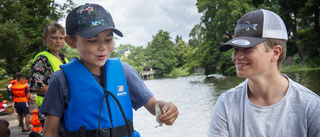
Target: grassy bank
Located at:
point(298, 67)
point(177, 72)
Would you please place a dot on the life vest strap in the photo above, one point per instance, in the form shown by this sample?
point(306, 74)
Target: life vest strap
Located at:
point(111, 132)
point(37, 126)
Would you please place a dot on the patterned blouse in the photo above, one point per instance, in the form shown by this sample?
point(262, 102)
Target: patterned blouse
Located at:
point(41, 71)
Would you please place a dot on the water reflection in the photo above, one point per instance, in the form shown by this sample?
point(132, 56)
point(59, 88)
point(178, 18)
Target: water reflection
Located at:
point(193, 96)
point(309, 79)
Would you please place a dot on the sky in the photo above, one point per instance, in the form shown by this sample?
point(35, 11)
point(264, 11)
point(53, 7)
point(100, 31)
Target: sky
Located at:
point(140, 20)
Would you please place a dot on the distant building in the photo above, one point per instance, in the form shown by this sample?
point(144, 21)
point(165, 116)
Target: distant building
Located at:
point(125, 52)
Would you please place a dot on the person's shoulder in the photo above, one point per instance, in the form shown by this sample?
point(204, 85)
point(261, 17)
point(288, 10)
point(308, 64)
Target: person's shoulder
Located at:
point(127, 68)
point(59, 75)
point(125, 65)
point(237, 91)
point(41, 56)
point(304, 91)
point(40, 59)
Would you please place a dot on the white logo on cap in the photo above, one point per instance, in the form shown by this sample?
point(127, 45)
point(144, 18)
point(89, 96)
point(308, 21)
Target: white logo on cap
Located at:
point(241, 42)
point(246, 26)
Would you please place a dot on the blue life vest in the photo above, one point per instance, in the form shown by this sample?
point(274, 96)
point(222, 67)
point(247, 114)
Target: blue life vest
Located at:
point(86, 98)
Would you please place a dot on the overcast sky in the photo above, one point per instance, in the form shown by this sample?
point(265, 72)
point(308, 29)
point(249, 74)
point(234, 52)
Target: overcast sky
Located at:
point(139, 20)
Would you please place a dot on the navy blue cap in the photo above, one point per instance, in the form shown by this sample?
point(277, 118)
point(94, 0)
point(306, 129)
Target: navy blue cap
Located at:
point(89, 20)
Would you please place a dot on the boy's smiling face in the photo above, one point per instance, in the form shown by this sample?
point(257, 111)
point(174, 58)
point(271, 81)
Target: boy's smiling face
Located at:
point(95, 51)
point(253, 61)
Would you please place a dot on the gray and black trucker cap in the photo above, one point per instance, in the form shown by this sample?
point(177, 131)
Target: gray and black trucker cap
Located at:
point(255, 27)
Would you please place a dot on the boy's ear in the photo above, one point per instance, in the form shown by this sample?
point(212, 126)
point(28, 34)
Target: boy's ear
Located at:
point(44, 39)
point(277, 50)
point(70, 41)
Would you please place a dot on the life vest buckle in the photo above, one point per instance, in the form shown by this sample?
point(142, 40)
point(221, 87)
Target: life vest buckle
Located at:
point(103, 132)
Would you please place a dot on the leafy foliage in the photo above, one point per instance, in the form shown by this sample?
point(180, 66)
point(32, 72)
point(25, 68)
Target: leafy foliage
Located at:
point(136, 59)
point(162, 50)
point(220, 17)
point(21, 24)
point(183, 50)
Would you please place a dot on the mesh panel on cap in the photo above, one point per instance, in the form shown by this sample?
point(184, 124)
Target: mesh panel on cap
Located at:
point(274, 26)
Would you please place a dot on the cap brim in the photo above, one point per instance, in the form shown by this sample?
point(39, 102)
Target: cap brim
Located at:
point(93, 31)
point(243, 42)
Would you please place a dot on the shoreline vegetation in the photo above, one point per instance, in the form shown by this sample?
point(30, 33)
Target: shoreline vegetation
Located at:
point(297, 68)
point(180, 72)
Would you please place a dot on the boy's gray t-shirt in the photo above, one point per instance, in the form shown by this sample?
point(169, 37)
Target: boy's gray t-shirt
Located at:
point(56, 98)
point(296, 115)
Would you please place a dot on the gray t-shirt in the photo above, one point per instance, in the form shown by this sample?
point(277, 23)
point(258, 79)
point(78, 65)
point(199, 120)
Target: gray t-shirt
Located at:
point(296, 115)
point(56, 98)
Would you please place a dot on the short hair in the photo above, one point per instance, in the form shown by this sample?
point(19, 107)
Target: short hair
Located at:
point(18, 74)
point(21, 77)
point(53, 28)
point(270, 43)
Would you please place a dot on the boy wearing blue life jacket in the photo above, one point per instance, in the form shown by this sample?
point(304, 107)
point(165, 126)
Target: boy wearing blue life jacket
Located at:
point(94, 95)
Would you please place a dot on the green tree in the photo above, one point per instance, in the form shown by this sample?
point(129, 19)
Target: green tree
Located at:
point(182, 53)
point(196, 36)
point(115, 54)
point(194, 60)
point(30, 17)
point(301, 18)
point(178, 38)
point(11, 43)
point(161, 50)
point(124, 47)
point(217, 26)
point(136, 59)
point(302, 21)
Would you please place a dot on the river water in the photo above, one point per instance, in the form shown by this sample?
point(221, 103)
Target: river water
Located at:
point(195, 97)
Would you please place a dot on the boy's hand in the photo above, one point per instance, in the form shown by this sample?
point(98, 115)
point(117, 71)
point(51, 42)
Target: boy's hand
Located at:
point(170, 113)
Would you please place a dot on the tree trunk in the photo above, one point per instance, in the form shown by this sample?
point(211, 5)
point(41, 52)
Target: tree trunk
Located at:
point(316, 24)
point(292, 26)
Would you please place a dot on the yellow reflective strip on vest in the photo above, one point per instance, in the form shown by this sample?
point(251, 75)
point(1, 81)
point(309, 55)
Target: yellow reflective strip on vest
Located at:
point(54, 61)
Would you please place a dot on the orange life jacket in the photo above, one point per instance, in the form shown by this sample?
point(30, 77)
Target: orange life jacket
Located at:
point(19, 93)
point(36, 125)
point(14, 81)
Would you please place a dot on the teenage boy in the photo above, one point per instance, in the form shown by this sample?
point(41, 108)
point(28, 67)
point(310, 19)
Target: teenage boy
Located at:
point(267, 103)
point(47, 62)
point(93, 94)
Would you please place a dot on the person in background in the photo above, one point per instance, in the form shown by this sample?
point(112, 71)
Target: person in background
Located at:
point(8, 85)
point(21, 97)
point(47, 62)
point(3, 107)
point(267, 103)
point(10, 81)
point(94, 94)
